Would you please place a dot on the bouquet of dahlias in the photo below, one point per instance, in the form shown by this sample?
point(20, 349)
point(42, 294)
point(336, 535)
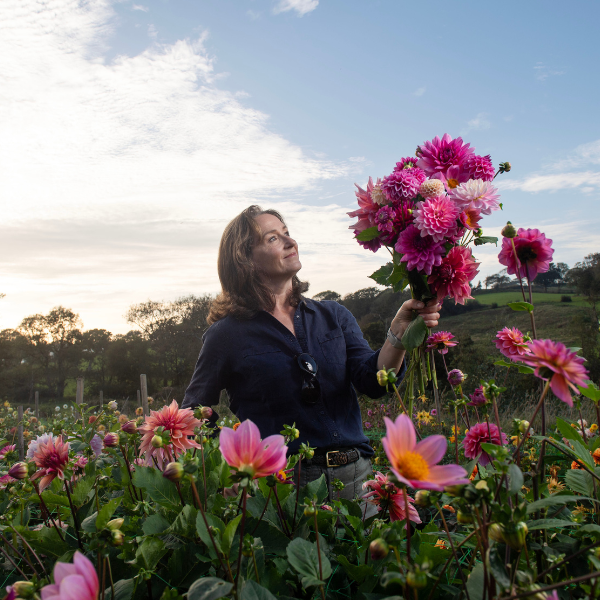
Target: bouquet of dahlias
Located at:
point(427, 213)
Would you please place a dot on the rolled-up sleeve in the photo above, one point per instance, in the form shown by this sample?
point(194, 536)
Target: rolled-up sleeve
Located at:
point(361, 360)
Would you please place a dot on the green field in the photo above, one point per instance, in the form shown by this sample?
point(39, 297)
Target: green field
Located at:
point(503, 298)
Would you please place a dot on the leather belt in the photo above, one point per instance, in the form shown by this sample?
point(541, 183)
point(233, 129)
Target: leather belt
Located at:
point(334, 458)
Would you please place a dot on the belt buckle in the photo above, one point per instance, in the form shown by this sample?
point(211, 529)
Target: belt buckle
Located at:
point(327, 457)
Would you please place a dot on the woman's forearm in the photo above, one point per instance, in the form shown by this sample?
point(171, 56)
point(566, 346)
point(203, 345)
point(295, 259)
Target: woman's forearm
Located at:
point(390, 357)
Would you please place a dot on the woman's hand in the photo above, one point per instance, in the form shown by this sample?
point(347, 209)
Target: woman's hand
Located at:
point(404, 316)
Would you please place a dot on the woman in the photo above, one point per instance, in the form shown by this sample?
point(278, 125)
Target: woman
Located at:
point(285, 359)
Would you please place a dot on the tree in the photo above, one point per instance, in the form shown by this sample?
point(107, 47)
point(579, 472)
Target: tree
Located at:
point(359, 303)
point(585, 276)
point(497, 280)
point(94, 345)
point(327, 295)
point(563, 269)
point(551, 277)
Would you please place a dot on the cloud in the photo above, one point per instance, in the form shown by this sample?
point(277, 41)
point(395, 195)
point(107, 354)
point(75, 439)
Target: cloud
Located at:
point(302, 7)
point(140, 7)
point(542, 72)
point(479, 123)
point(419, 92)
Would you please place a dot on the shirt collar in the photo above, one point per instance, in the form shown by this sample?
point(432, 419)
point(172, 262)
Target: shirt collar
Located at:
point(307, 304)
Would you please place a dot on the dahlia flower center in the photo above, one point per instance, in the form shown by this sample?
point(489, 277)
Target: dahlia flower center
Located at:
point(446, 154)
point(412, 466)
point(453, 183)
point(526, 254)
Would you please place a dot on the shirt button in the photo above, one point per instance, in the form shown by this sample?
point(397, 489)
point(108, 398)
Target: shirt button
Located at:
point(335, 434)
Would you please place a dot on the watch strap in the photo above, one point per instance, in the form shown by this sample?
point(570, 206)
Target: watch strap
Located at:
point(394, 341)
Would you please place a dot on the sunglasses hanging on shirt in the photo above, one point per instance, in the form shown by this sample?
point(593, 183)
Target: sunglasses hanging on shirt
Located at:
point(311, 389)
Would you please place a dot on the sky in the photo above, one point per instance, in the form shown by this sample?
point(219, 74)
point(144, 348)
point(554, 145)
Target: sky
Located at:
point(132, 132)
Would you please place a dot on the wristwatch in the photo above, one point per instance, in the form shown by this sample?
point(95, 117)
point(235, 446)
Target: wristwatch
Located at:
point(394, 341)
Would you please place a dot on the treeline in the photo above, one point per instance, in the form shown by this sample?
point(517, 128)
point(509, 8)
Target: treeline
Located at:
point(48, 352)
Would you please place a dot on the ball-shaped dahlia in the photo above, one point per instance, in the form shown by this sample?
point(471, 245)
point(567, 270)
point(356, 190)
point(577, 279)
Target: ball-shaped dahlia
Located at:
point(420, 252)
point(439, 155)
point(476, 194)
point(486, 433)
point(436, 217)
point(377, 195)
point(402, 185)
point(432, 188)
point(480, 167)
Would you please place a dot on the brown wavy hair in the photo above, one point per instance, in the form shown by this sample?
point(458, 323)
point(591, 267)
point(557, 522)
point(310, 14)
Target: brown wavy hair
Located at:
point(243, 292)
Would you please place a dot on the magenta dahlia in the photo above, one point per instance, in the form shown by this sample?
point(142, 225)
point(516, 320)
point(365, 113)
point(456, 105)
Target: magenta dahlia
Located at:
point(439, 155)
point(480, 167)
point(440, 341)
point(402, 185)
point(476, 194)
point(486, 433)
point(436, 217)
point(367, 208)
point(559, 364)
point(511, 343)
point(477, 397)
point(409, 162)
point(470, 218)
point(420, 252)
point(452, 277)
point(534, 251)
point(372, 245)
point(385, 218)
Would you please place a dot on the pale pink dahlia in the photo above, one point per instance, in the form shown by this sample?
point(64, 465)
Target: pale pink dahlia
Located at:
point(402, 185)
point(511, 343)
point(73, 581)
point(436, 217)
point(480, 167)
point(470, 218)
point(534, 251)
point(385, 495)
point(452, 277)
point(377, 195)
point(51, 458)
point(421, 253)
point(179, 422)
point(366, 207)
point(432, 188)
point(385, 218)
point(486, 433)
point(476, 194)
point(440, 341)
point(439, 155)
point(554, 361)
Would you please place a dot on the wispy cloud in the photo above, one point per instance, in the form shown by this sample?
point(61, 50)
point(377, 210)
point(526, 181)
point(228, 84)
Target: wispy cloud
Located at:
point(302, 7)
point(542, 72)
point(140, 7)
point(479, 123)
point(419, 92)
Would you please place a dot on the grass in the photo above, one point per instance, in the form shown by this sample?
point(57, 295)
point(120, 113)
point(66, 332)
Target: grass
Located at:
point(503, 298)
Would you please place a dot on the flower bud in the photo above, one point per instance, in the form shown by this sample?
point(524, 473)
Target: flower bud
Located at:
point(482, 485)
point(515, 534)
point(23, 589)
point(115, 524)
point(416, 579)
point(456, 377)
point(382, 378)
point(206, 412)
point(524, 426)
point(309, 511)
point(19, 470)
point(92, 419)
point(423, 499)
point(173, 472)
point(111, 440)
point(455, 491)
point(463, 518)
point(112, 405)
point(295, 434)
point(496, 532)
point(117, 538)
point(129, 427)
point(157, 441)
point(326, 507)
point(505, 167)
point(509, 231)
point(379, 549)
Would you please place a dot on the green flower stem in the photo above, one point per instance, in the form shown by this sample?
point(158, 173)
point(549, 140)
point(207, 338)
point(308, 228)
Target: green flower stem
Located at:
point(297, 495)
point(12, 562)
point(242, 525)
point(408, 532)
point(255, 567)
point(75, 522)
point(554, 586)
point(26, 543)
point(45, 508)
point(418, 358)
point(456, 431)
point(535, 412)
point(203, 473)
point(319, 557)
point(284, 525)
point(19, 555)
point(127, 465)
point(264, 511)
point(112, 585)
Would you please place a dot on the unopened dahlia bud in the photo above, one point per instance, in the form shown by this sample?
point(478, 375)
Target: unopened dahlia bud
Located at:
point(382, 378)
point(515, 534)
point(115, 524)
point(112, 405)
point(117, 538)
point(111, 440)
point(505, 167)
point(432, 188)
point(309, 511)
point(379, 549)
point(423, 498)
point(509, 231)
point(455, 491)
point(456, 377)
point(524, 426)
point(173, 472)
point(463, 518)
point(92, 419)
point(416, 579)
point(206, 412)
point(496, 532)
point(157, 441)
point(19, 470)
point(129, 427)
point(23, 589)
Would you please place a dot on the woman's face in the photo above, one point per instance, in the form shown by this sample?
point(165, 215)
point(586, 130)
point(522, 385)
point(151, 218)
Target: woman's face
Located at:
point(275, 254)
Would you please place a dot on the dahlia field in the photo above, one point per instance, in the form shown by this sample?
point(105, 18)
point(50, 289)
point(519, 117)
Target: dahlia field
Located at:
point(100, 504)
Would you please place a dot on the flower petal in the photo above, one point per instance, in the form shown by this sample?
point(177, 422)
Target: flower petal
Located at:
point(432, 449)
point(447, 475)
point(558, 384)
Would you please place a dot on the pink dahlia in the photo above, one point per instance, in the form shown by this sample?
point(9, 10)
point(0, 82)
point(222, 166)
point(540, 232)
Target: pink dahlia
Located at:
point(440, 341)
point(486, 433)
point(245, 451)
point(51, 458)
point(534, 251)
point(436, 217)
point(477, 397)
point(402, 185)
point(372, 245)
point(385, 218)
point(470, 218)
point(421, 253)
point(480, 167)
point(554, 361)
point(73, 581)
point(415, 464)
point(387, 496)
point(179, 422)
point(452, 277)
point(7, 450)
point(366, 208)
point(410, 162)
point(476, 194)
point(439, 155)
point(511, 343)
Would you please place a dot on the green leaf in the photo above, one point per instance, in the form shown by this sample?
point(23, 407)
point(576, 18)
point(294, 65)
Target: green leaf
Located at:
point(521, 306)
point(55, 499)
point(475, 583)
point(89, 524)
point(357, 572)
point(209, 588)
point(498, 567)
point(106, 512)
point(583, 454)
point(591, 391)
point(415, 334)
point(549, 524)
point(150, 552)
point(229, 533)
point(525, 369)
point(185, 523)
point(159, 489)
point(155, 524)
point(123, 590)
point(303, 557)
point(579, 481)
point(382, 274)
point(82, 489)
point(554, 500)
point(255, 591)
point(568, 431)
point(46, 541)
point(368, 234)
point(215, 522)
point(485, 240)
point(515, 478)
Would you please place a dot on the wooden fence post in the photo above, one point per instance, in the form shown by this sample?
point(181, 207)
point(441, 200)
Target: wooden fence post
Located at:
point(37, 406)
point(144, 393)
point(139, 395)
point(79, 391)
point(101, 399)
point(20, 443)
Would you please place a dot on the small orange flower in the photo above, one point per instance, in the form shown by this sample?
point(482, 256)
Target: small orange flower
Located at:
point(596, 456)
point(448, 507)
point(576, 465)
point(440, 544)
point(473, 473)
point(554, 469)
point(236, 426)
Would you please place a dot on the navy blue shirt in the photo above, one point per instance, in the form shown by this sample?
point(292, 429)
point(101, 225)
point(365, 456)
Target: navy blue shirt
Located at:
point(255, 361)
